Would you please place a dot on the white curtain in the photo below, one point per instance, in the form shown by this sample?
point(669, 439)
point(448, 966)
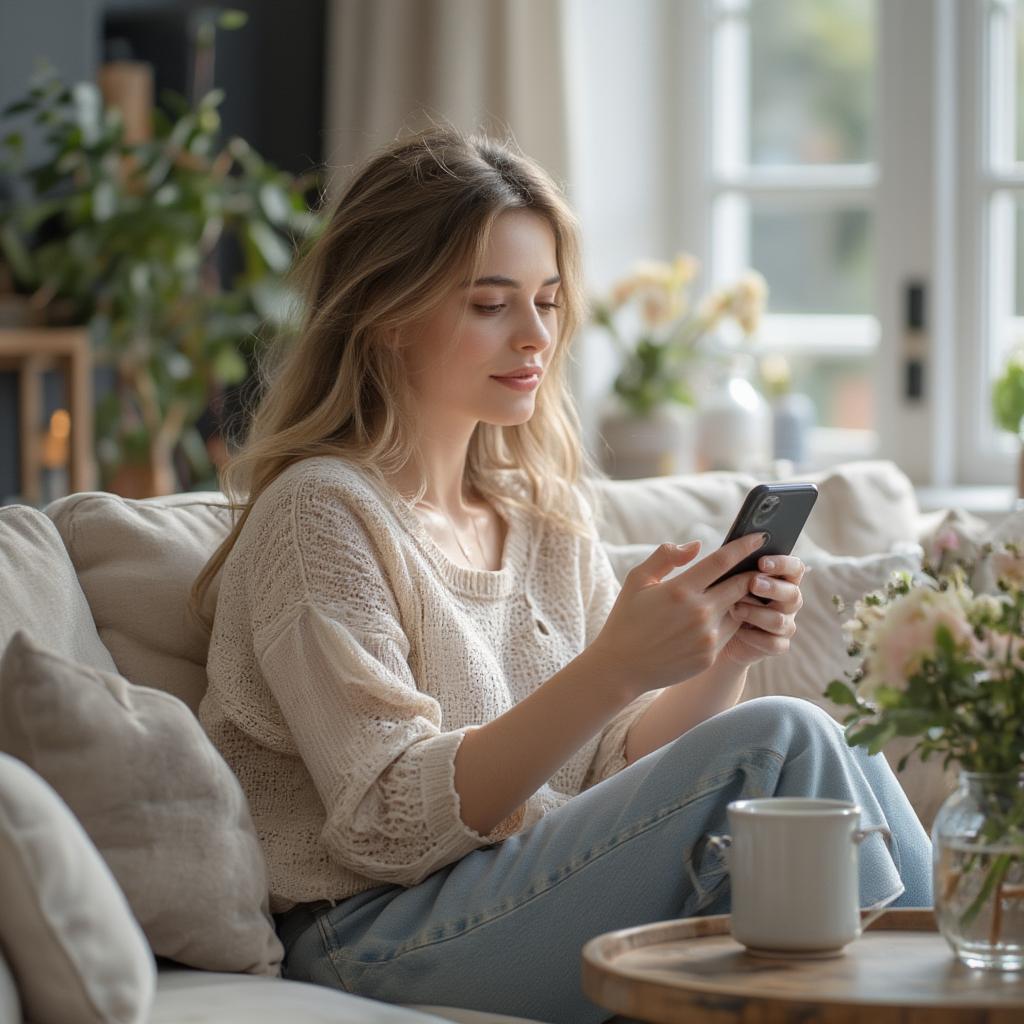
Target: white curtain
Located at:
point(490, 65)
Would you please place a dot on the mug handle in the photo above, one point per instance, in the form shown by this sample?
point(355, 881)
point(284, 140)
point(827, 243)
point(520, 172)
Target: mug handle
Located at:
point(872, 913)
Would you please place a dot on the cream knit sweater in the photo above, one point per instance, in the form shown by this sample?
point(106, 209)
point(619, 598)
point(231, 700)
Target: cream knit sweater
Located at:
point(350, 656)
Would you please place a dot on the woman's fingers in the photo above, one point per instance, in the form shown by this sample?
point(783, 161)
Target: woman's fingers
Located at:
point(785, 566)
point(780, 592)
point(770, 620)
point(759, 640)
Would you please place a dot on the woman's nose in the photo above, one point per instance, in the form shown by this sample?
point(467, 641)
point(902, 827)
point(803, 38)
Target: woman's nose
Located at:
point(533, 334)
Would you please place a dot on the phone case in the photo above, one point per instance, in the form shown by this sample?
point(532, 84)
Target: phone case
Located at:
point(780, 510)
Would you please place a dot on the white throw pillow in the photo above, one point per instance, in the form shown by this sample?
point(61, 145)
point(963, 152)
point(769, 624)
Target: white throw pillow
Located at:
point(39, 591)
point(136, 561)
point(75, 950)
point(156, 798)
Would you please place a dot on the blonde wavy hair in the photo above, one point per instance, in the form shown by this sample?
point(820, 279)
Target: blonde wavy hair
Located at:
point(412, 225)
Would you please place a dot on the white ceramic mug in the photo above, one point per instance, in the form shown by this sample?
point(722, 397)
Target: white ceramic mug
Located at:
point(794, 867)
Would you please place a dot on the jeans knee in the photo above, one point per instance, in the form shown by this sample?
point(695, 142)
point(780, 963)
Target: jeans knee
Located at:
point(795, 719)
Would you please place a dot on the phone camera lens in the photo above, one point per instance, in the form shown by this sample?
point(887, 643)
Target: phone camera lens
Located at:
point(766, 509)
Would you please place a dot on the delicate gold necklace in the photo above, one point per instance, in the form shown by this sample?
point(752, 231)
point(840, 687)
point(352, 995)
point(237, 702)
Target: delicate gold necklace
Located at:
point(455, 534)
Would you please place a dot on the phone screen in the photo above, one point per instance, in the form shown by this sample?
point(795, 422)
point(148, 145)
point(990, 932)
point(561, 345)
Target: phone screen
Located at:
point(778, 510)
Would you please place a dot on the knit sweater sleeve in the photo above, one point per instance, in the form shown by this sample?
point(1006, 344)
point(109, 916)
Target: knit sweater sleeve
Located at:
point(336, 662)
point(601, 589)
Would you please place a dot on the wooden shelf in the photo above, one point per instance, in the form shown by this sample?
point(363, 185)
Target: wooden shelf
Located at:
point(29, 352)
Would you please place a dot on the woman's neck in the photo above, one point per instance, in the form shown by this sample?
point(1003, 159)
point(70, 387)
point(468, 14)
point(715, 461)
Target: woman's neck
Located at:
point(443, 469)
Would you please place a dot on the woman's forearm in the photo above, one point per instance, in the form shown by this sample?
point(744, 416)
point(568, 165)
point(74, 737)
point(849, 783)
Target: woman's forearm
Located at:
point(501, 764)
point(680, 707)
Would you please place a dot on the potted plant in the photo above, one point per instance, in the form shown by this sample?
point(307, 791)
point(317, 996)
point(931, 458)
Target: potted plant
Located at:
point(649, 425)
point(1008, 406)
point(123, 236)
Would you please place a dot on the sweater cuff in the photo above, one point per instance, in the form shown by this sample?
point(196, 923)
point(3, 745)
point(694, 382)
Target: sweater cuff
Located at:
point(610, 756)
point(441, 798)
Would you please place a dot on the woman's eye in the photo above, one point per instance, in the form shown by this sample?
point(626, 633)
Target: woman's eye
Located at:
point(549, 305)
point(489, 309)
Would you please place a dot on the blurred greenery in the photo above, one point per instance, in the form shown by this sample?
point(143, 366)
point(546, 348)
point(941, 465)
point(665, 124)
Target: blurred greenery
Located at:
point(1008, 395)
point(126, 238)
point(811, 71)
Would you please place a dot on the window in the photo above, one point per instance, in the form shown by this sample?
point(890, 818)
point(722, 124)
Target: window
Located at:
point(999, 196)
point(852, 150)
point(792, 182)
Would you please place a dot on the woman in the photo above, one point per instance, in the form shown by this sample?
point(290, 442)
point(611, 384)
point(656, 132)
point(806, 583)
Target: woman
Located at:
point(466, 751)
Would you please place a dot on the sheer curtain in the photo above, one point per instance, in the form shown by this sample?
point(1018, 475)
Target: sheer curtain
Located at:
point(491, 65)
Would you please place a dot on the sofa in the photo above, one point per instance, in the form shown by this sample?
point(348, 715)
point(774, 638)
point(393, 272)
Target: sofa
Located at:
point(132, 886)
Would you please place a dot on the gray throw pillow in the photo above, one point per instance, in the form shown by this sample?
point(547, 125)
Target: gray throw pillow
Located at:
point(156, 798)
point(74, 949)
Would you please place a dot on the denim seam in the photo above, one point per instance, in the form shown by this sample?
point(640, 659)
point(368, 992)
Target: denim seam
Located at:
point(330, 953)
point(592, 856)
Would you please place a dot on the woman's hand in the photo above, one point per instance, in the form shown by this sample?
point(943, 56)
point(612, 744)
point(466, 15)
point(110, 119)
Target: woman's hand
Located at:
point(659, 631)
point(766, 629)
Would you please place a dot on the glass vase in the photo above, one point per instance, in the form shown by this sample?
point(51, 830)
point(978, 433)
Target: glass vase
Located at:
point(734, 423)
point(978, 850)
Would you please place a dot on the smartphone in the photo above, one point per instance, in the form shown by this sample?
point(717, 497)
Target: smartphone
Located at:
point(780, 511)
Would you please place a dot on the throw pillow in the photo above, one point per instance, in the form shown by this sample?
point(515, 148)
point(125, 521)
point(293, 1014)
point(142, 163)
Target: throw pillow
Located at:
point(39, 590)
point(136, 561)
point(74, 948)
point(156, 798)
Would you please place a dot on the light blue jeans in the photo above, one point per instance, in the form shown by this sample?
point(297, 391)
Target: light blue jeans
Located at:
point(502, 929)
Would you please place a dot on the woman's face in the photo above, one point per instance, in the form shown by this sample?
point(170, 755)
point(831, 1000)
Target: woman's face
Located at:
point(480, 356)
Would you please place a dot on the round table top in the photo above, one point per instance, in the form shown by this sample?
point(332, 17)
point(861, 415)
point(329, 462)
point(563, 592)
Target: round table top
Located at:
point(901, 971)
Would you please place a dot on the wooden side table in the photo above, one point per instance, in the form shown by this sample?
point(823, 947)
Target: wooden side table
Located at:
point(29, 352)
point(692, 971)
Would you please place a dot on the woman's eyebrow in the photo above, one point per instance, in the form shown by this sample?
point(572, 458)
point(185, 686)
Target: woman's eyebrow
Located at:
point(508, 282)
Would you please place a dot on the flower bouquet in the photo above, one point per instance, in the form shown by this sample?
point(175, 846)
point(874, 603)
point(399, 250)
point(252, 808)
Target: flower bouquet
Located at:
point(654, 301)
point(944, 664)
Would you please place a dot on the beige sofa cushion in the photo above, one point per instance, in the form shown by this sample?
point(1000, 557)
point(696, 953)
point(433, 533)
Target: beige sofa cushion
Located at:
point(862, 508)
point(39, 591)
point(136, 561)
point(75, 950)
point(156, 798)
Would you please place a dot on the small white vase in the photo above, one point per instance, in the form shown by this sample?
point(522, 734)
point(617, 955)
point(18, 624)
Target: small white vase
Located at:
point(659, 443)
point(734, 423)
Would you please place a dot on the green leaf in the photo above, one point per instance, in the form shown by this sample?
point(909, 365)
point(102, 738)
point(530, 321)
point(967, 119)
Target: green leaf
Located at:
point(839, 693)
point(277, 255)
point(275, 204)
point(88, 107)
point(104, 201)
point(17, 255)
point(18, 107)
point(229, 367)
point(869, 734)
point(232, 19)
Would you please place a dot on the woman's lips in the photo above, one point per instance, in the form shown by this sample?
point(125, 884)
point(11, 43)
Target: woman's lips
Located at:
point(520, 383)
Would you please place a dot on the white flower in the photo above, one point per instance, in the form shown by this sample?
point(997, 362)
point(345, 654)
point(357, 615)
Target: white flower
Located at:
point(902, 637)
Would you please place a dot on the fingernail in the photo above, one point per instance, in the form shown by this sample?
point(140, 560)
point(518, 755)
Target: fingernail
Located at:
point(767, 564)
point(761, 585)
